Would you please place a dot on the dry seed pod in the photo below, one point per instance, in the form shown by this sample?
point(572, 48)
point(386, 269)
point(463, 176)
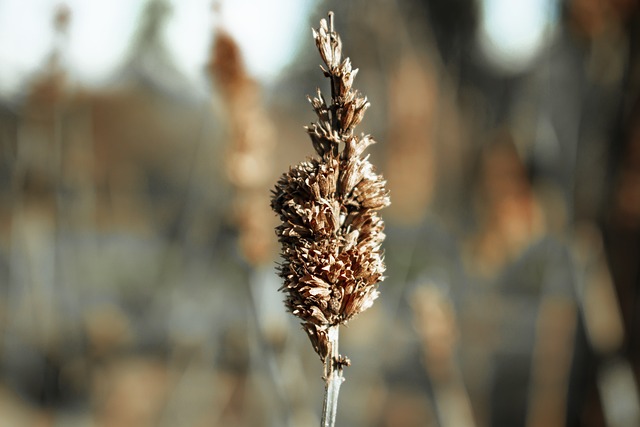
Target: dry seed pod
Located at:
point(330, 230)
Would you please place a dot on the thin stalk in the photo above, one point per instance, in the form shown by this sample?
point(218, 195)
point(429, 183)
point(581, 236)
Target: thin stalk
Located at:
point(323, 274)
point(333, 379)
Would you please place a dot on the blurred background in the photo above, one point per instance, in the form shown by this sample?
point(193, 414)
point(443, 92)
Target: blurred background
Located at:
point(138, 144)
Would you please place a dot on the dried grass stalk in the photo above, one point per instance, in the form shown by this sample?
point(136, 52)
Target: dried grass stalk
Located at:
point(331, 233)
point(249, 155)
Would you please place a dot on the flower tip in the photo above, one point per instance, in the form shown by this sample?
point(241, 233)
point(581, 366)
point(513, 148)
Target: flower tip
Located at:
point(323, 25)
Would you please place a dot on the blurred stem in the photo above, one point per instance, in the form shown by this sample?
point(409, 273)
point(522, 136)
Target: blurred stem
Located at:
point(333, 379)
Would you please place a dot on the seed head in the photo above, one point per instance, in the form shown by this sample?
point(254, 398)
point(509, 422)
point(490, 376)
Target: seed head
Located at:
point(330, 231)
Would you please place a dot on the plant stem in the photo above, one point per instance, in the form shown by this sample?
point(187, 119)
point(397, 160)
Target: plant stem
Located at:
point(333, 379)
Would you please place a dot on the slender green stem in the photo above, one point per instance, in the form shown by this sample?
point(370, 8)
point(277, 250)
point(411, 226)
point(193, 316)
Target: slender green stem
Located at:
point(333, 379)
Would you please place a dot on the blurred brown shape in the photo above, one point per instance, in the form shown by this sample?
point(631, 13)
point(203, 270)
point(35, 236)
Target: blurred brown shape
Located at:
point(511, 217)
point(626, 200)
point(108, 330)
point(557, 320)
point(406, 408)
point(601, 310)
point(130, 393)
point(62, 18)
point(434, 318)
point(593, 17)
point(410, 169)
point(249, 155)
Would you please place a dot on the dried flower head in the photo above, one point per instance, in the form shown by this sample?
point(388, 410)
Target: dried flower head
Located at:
point(328, 205)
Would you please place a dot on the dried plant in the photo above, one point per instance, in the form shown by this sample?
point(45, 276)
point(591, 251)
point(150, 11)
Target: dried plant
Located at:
point(250, 152)
point(331, 232)
point(413, 95)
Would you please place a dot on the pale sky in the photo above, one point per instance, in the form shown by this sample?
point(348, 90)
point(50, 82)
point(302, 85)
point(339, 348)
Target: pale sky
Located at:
point(100, 32)
point(268, 32)
point(512, 32)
